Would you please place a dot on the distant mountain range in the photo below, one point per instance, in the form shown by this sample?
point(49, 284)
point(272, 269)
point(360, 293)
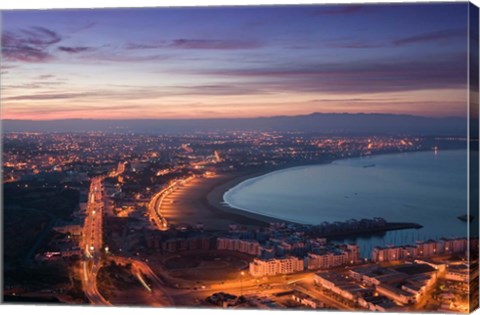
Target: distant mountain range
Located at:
point(341, 124)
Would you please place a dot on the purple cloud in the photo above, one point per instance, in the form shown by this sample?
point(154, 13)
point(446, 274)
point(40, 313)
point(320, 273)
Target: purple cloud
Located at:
point(73, 50)
point(100, 57)
point(432, 36)
point(39, 36)
point(212, 44)
point(29, 45)
point(135, 46)
point(366, 77)
point(441, 35)
point(26, 54)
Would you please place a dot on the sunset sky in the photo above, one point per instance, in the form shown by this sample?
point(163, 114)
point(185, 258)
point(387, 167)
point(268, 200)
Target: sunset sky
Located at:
point(234, 62)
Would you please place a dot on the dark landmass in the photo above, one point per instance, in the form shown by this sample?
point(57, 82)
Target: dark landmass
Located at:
point(339, 124)
point(30, 212)
point(57, 201)
point(22, 228)
point(39, 277)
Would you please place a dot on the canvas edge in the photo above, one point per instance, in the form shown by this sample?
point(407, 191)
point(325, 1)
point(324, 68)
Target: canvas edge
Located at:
point(473, 148)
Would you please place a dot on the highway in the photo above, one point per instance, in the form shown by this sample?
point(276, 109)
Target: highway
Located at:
point(92, 242)
point(92, 229)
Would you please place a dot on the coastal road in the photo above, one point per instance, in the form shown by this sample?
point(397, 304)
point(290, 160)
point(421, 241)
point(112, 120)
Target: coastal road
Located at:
point(155, 204)
point(152, 210)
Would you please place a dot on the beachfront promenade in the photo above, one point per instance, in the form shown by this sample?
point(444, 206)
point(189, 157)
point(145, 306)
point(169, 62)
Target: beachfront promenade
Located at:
point(154, 207)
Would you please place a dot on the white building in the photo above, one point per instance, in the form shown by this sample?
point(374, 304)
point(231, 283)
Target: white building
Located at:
point(275, 266)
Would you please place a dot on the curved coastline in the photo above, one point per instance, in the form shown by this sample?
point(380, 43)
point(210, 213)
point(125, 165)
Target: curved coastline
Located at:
point(215, 197)
point(202, 201)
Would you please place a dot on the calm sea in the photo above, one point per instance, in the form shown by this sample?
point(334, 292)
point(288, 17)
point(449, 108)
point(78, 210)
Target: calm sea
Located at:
point(421, 187)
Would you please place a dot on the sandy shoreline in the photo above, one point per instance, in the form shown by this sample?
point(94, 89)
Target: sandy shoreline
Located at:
point(201, 201)
point(215, 197)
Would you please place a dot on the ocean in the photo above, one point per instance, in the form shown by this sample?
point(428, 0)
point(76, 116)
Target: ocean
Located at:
point(422, 187)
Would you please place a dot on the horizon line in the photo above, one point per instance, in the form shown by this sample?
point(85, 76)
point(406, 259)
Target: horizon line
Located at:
point(232, 118)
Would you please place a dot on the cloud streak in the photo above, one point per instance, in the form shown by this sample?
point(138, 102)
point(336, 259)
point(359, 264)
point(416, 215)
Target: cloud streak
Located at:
point(29, 45)
point(74, 50)
point(441, 35)
point(437, 36)
point(213, 44)
point(364, 77)
point(49, 96)
point(201, 44)
point(135, 93)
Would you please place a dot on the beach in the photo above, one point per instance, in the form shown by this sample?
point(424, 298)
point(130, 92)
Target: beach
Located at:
point(201, 201)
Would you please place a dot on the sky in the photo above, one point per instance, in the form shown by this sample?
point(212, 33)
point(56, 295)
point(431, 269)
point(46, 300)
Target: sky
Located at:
point(229, 62)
